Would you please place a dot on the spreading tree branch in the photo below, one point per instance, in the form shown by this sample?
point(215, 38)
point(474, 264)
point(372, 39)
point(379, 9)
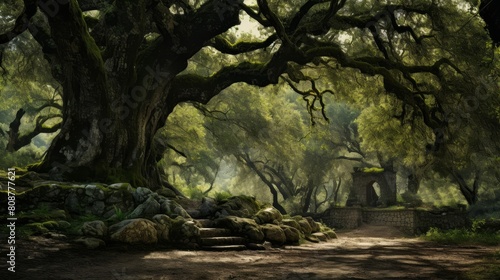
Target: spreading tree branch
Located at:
point(17, 141)
point(224, 46)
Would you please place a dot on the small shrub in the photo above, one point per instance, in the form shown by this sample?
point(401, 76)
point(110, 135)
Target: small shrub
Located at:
point(222, 195)
point(119, 215)
point(195, 193)
point(78, 222)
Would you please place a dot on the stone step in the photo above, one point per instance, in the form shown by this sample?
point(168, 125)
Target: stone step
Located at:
point(223, 241)
point(224, 248)
point(206, 223)
point(214, 232)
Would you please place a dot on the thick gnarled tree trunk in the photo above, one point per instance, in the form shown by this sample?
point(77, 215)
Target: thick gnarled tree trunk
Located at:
point(116, 99)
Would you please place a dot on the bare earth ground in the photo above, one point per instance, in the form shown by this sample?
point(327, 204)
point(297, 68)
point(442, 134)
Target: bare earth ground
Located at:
point(370, 252)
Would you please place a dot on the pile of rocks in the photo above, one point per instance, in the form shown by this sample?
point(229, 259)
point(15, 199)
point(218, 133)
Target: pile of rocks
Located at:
point(140, 216)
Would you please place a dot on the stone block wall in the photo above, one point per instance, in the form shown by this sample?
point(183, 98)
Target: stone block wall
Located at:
point(402, 219)
point(343, 218)
point(408, 220)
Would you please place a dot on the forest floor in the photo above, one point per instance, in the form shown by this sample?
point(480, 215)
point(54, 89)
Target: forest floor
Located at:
point(370, 252)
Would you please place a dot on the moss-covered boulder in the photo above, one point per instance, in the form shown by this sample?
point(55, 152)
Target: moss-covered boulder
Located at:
point(293, 235)
point(184, 231)
point(190, 230)
point(331, 234)
point(274, 234)
point(148, 208)
point(134, 231)
point(315, 226)
point(173, 209)
point(121, 187)
point(240, 206)
point(163, 226)
point(94, 229)
point(304, 224)
point(268, 215)
point(320, 236)
point(242, 226)
point(312, 238)
point(141, 194)
point(291, 223)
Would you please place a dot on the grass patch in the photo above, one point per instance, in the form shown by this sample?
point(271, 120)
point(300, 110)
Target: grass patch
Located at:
point(474, 235)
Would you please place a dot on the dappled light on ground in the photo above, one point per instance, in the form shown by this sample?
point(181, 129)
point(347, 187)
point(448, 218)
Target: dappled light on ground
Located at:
point(355, 255)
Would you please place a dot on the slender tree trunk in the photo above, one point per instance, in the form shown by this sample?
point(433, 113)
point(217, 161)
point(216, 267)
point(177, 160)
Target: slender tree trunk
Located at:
point(336, 193)
point(308, 197)
point(469, 193)
point(246, 159)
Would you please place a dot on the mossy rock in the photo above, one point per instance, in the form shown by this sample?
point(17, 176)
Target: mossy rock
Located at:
point(134, 231)
point(268, 215)
point(321, 236)
point(291, 223)
point(184, 231)
point(175, 232)
point(163, 226)
point(241, 206)
point(293, 235)
point(147, 209)
point(305, 227)
point(315, 226)
point(121, 186)
point(244, 226)
point(312, 238)
point(173, 209)
point(166, 193)
point(331, 234)
point(94, 229)
point(274, 234)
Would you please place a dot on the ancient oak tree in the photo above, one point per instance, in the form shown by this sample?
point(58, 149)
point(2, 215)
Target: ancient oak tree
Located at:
point(122, 64)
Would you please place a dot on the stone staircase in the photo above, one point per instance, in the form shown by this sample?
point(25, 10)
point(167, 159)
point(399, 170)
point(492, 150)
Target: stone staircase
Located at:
point(213, 238)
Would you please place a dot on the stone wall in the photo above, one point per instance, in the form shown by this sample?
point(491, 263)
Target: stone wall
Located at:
point(402, 219)
point(408, 220)
point(343, 218)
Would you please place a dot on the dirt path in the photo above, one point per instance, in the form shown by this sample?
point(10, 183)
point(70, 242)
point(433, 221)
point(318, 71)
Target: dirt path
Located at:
point(367, 253)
